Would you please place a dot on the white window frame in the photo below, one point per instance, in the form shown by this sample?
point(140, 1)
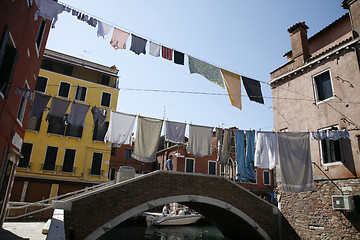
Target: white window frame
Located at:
point(13, 42)
point(264, 177)
point(317, 101)
point(47, 80)
point(64, 160)
point(92, 159)
point(57, 154)
point(85, 93)
point(256, 178)
point(211, 161)
point(42, 37)
point(102, 94)
point(68, 91)
point(22, 107)
point(194, 171)
point(321, 150)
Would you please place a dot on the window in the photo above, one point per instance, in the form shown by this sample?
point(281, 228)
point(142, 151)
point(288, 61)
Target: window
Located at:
point(64, 89)
point(80, 93)
point(74, 131)
point(50, 158)
point(127, 153)
point(330, 149)
point(40, 35)
point(41, 84)
point(100, 131)
point(105, 99)
point(8, 57)
point(266, 178)
point(254, 181)
point(105, 80)
point(96, 164)
point(34, 123)
point(26, 152)
point(56, 125)
point(30, 3)
point(189, 165)
point(23, 102)
point(113, 151)
point(212, 167)
point(323, 86)
point(69, 157)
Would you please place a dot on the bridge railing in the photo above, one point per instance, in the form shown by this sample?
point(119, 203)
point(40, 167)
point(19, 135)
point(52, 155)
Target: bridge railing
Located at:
point(47, 203)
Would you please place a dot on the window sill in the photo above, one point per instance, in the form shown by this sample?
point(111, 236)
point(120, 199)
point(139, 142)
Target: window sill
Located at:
point(324, 101)
point(78, 138)
point(55, 134)
point(332, 164)
point(34, 131)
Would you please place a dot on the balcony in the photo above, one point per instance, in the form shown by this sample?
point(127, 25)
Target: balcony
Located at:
point(96, 173)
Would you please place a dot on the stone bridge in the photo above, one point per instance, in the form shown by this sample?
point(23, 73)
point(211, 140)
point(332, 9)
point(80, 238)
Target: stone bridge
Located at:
point(238, 213)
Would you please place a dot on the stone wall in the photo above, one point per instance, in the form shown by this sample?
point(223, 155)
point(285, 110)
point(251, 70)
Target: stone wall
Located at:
point(312, 216)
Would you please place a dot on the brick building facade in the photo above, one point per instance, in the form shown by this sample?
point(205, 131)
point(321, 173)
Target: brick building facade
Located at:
point(21, 49)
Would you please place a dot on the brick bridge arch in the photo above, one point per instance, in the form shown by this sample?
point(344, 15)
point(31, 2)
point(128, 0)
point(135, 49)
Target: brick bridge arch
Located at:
point(237, 212)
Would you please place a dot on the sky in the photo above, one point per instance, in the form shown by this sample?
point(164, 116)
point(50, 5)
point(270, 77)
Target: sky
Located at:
point(245, 37)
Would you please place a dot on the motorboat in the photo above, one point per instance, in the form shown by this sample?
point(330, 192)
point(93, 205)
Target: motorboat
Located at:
point(171, 220)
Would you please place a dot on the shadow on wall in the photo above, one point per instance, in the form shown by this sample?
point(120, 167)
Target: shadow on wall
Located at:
point(348, 156)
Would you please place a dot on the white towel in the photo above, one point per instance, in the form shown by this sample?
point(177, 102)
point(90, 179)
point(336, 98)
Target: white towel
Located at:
point(295, 162)
point(199, 140)
point(266, 152)
point(154, 49)
point(175, 132)
point(103, 29)
point(120, 128)
point(48, 9)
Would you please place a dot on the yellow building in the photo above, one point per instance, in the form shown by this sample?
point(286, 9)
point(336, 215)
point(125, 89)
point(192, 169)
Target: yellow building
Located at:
point(60, 157)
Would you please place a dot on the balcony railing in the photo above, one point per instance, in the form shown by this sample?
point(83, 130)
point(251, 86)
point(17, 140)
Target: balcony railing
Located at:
point(96, 173)
point(46, 167)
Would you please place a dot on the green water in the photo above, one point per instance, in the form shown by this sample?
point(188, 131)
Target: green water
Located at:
point(134, 231)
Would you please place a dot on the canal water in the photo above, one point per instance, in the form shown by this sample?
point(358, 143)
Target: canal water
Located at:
point(138, 230)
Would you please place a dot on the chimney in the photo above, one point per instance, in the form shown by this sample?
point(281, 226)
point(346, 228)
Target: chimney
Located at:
point(354, 9)
point(299, 43)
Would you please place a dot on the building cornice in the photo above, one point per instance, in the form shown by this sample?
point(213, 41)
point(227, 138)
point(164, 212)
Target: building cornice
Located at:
point(314, 60)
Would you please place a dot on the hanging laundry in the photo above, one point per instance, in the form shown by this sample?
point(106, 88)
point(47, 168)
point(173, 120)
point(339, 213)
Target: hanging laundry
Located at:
point(58, 107)
point(253, 89)
point(178, 57)
point(78, 113)
point(138, 44)
point(103, 29)
point(118, 39)
point(330, 134)
point(166, 53)
point(266, 152)
point(154, 49)
point(233, 87)
point(240, 154)
point(200, 139)
point(295, 162)
point(175, 132)
point(48, 9)
point(219, 141)
point(74, 13)
point(120, 128)
point(39, 104)
point(250, 155)
point(147, 139)
point(92, 22)
point(67, 9)
point(225, 149)
point(99, 116)
point(208, 71)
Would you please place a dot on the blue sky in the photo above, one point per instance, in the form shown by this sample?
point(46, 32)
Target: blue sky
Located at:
point(246, 37)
